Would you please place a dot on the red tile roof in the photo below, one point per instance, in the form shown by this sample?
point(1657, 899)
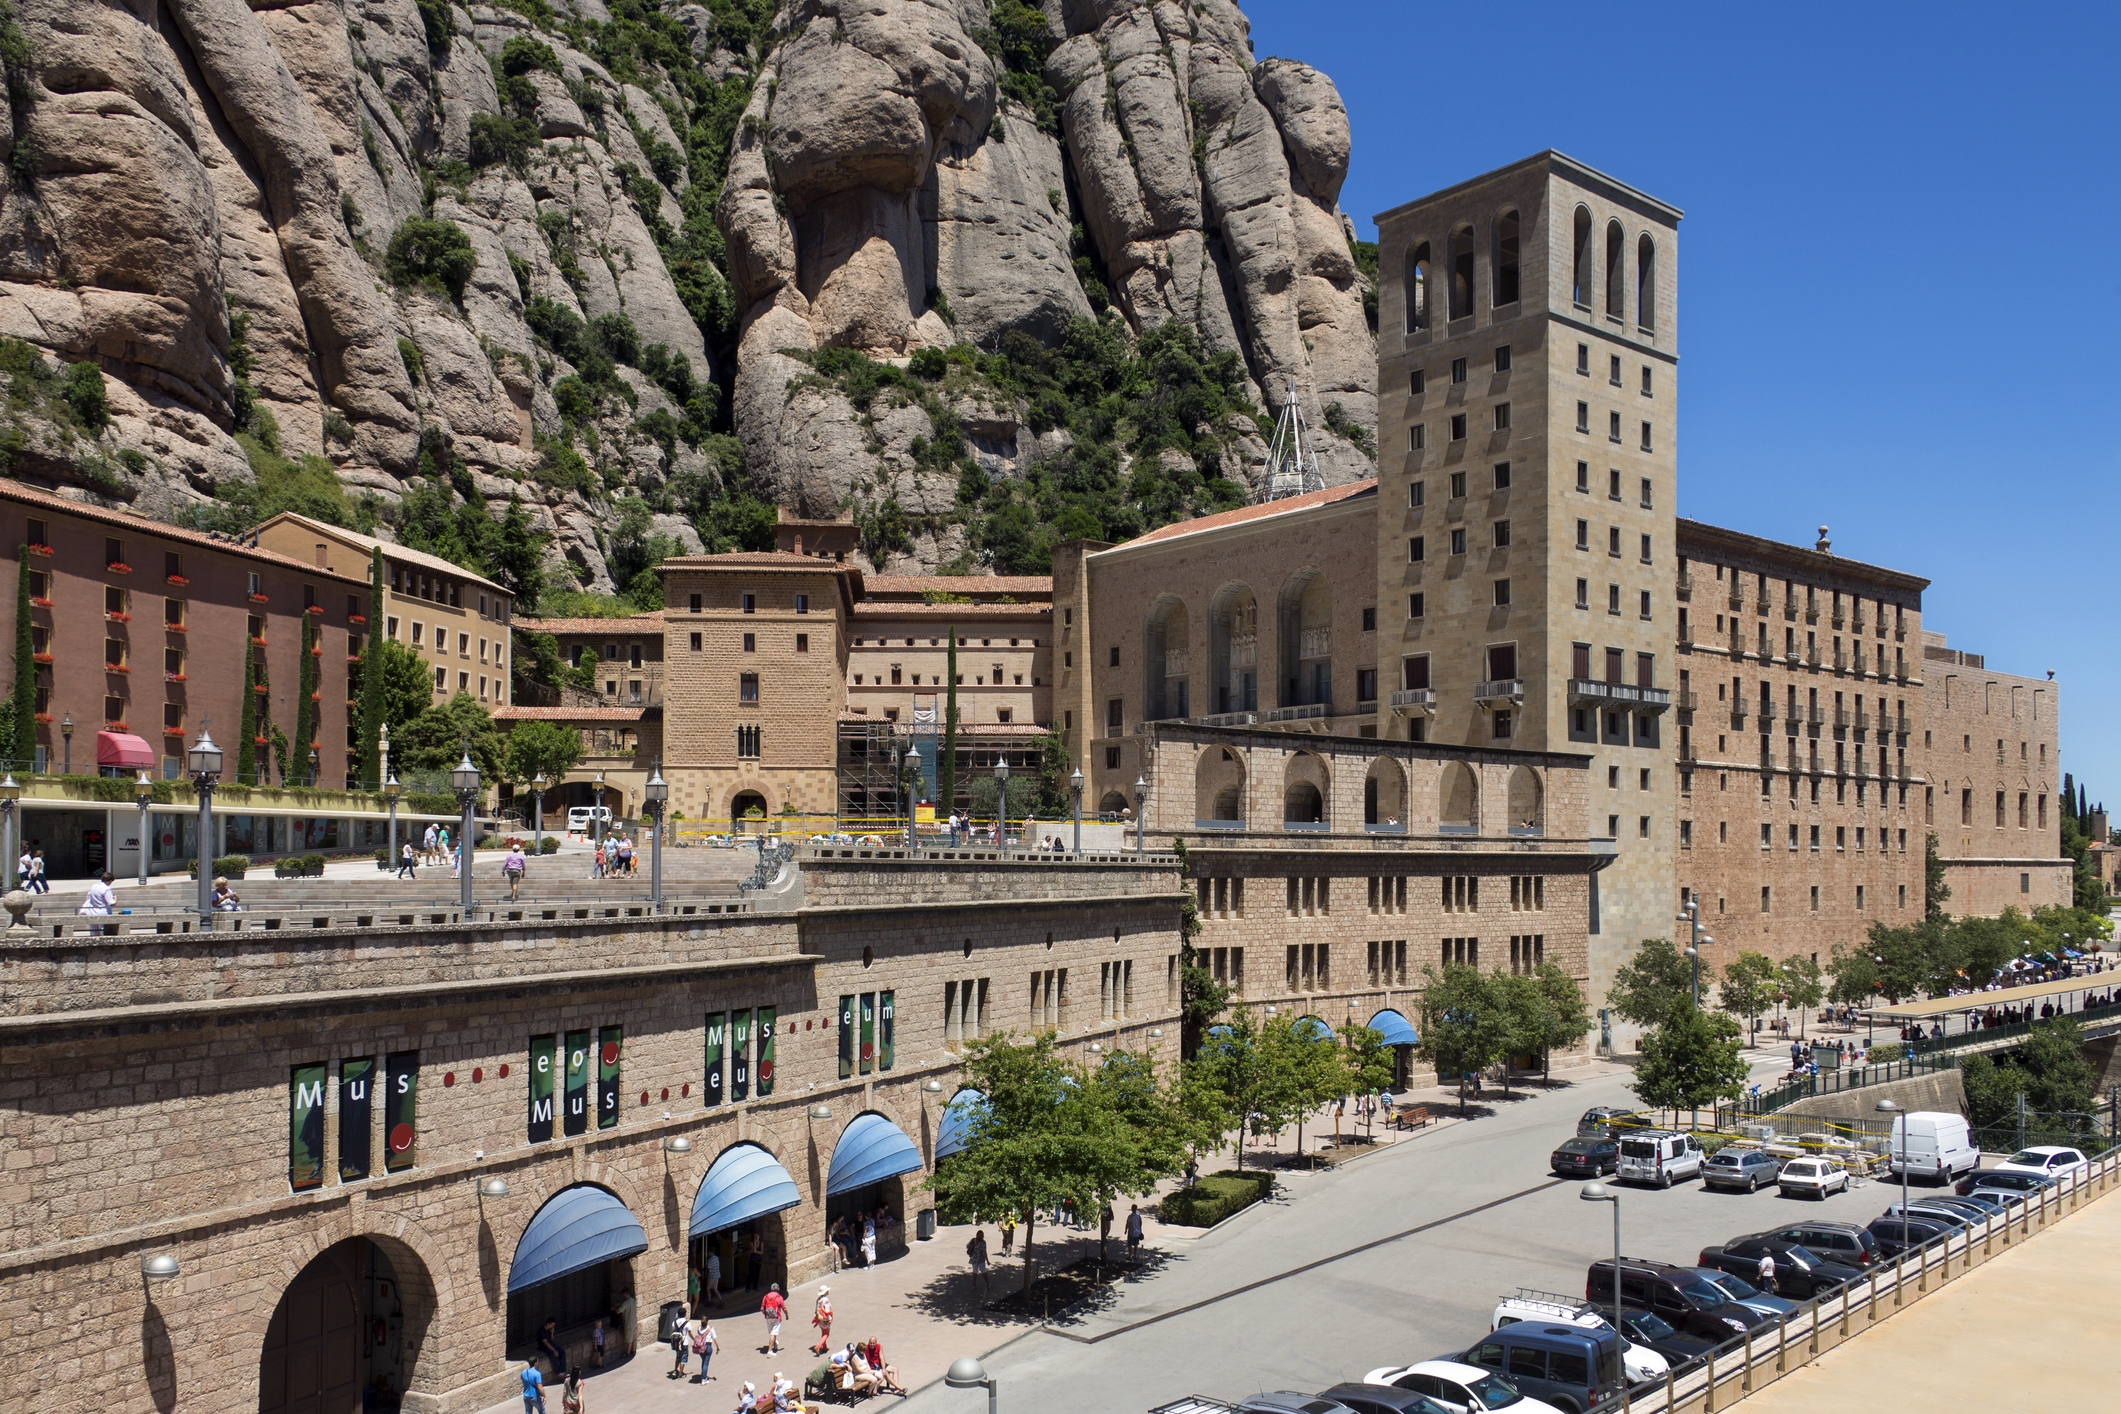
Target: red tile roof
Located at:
point(133, 521)
point(1285, 506)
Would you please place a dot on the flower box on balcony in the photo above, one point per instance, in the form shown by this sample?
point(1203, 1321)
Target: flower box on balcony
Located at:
point(176, 677)
point(36, 603)
point(317, 609)
point(44, 658)
point(357, 618)
point(177, 579)
point(118, 567)
point(258, 642)
point(46, 718)
point(259, 599)
point(116, 668)
point(261, 741)
point(173, 731)
point(316, 650)
point(44, 550)
point(176, 628)
point(261, 689)
point(116, 727)
point(353, 657)
point(316, 697)
point(119, 618)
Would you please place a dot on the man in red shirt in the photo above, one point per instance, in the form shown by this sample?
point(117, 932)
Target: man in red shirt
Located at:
point(775, 1310)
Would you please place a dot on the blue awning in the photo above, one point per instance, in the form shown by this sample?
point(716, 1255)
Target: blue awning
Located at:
point(1315, 1030)
point(1396, 1029)
point(578, 1228)
point(744, 1183)
point(871, 1149)
point(959, 1117)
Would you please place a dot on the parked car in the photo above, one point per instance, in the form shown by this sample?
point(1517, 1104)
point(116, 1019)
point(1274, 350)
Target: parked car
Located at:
point(1638, 1362)
point(1812, 1178)
point(1799, 1272)
point(1659, 1156)
point(2002, 1180)
point(1585, 1157)
point(1460, 1388)
point(1601, 1120)
point(1678, 1294)
point(1745, 1293)
point(1929, 1212)
point(1647, 1328)
point(1846, 1243)
point(1976, 1209)
point(1933, 1144)
point(1748, 1170)
point(1380, 1399)
point(1571, 1367)
point(1895, 1234)
point(2049, 1160)
point(1288, 1401)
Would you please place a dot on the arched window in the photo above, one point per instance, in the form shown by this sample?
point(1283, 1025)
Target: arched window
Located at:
point(1646, 282)
point(1418, 287)
point(1583, 256)
point(1506, 258)
point(1458, 800)
point(1461, 272)
point(1616, 249)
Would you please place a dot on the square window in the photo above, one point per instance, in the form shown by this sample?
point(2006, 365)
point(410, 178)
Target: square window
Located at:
point(1502, 417)
point(1417, 436)
point(748, 688)
point(802, 603)
point(751, 603)
point(1415, 606)
point(1458, 427)
point(1458, 542)
point(1502, 476)
point(1458, 370)
point(1458, 485)
point(1502, 534)
point(1417, 495)
point(1369, 619)
point(802, 643)
point(1583, 358)
point(1645, 549)
point(1502, 726)
point(1112, 758)
point(693, 603)
point(1583, 477)
point(1502, 358)
point(751, 643)
point(1502, 593)
point(1612, 485)
point(1612, 541)
point(1646, 499)
point(1614, 374)
point(1418, 382)
point(1646, 382)
point(1612, 597)
point(1645, 435)
point(1417, 549)
point(695, 645)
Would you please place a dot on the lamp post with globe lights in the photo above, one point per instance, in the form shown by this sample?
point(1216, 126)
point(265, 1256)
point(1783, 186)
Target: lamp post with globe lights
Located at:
point(1075, 795)
point(1141, 822)
point(1001, 779)
point(655, 799)
point(1596, 1192)
point(911, 793)
point(465, 779)
point(204, 761)
point(144, 797)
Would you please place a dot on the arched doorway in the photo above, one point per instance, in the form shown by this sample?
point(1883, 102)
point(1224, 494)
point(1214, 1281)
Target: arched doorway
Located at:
point(1306, 639)
point(348, 1331)
point(866, 1183)
point(1219, 789)
point(1167, 661)
point(737, 1208)
point(746, 805)
point(573, 1265)
point(1305, 786)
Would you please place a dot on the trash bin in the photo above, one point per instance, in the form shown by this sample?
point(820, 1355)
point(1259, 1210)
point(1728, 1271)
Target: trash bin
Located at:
point(673, 1316)
point(924, 1224)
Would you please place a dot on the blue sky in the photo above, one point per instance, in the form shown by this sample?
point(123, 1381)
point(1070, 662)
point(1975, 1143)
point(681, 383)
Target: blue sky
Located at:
point(1900, 268)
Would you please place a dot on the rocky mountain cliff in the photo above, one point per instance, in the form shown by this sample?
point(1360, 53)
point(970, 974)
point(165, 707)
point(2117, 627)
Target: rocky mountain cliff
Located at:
point(977, 273)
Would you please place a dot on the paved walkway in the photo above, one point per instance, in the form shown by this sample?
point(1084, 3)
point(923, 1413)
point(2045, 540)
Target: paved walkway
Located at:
point(1976, 1344)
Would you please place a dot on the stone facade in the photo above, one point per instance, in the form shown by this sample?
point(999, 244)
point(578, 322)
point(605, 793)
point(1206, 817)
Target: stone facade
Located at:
point(1800, 745)
point(148, 1101)
point(1995, 770)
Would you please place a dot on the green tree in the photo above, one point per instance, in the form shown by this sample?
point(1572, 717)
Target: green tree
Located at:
point(372, 716)
point(1314, 1060)
point(1692, 1058)
point(1803, 986)
point(1855, 974)
point(22, 736)
point(305, 706)
point(519, 558)
point(1524, 1006)
point(542, 748)
point(263, 730)
point(1653, 984)
point(406, 685)
point(1935, 892)
point(1748, 986)
point(247, 733)
point(2048, 1069)
point(946, 758)
point(436, 253)
point(1567, 1018)
point(1464, 1027)
point(437, 739)
point(1137, 1134)
point(1248, 1062)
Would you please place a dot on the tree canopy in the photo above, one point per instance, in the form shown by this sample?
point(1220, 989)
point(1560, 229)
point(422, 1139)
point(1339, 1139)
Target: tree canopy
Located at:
point(1653, 984)
point(1691, 1059)
point(436, 739)
point(1465, 1026)
point(542, 748)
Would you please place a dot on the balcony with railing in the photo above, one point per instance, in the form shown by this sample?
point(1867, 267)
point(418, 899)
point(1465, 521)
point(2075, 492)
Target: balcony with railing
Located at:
point(1503, 692)
point(1811, 657)
point(1306, 712)
point(1811, 613)
point(1738, 714)
point(1767, 714)
point(1842, 717)
point(1414, 702)
point(1685, 585)
point(1840, 618)
point(1841, 661)
point(1902, 723)
point(1737, 596)
point(1686, 638)
point(1620, 695)
point(1815, 714)
point(1686, 699)
point(1863, 718)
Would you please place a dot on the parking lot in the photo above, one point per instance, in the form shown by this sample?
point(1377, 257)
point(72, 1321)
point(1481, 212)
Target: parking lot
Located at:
point(1395, 1258)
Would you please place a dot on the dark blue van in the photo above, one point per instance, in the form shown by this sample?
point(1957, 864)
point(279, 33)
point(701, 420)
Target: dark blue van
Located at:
point(1570, 1367)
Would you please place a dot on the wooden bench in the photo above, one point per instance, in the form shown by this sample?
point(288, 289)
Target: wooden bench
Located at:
point(1411, 1117)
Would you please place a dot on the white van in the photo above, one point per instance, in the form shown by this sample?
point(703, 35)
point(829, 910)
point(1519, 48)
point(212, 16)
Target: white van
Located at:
point(1938, 1145)
point(1659, 1156)
point(580, 816)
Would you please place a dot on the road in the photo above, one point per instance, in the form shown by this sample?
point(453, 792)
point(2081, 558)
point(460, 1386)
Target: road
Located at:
point(1394, 1258)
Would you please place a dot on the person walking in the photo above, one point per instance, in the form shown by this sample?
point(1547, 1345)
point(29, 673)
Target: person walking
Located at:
point(821, 1317)
point(868, 1242)
point(775, 1310)
point(408, 861)
point(533, 1389)
point(976, 1254)
point(680, 1348)
point(706, 1345)
point(102, 899)
point(427, 845)
point(1134, 1232)
point(571, 1396)
point(512, 867)
point(25, 869)
point(626, 1313)
point(1767, 1273)
point(1009, 1236)
point(38, 883)
point(714, 1277)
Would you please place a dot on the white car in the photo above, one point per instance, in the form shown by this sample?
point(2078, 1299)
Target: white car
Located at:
point(1637, 1362)
point(2048, 1160)
point(1813, 1178)
point(1466, 1388)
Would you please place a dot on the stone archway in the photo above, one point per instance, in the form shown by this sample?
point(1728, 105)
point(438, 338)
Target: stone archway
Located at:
point(350, 1331)
point(742, 804)
point(1219, 787)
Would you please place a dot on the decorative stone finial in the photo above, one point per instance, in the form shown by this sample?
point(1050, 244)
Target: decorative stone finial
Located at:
point(1825, 546)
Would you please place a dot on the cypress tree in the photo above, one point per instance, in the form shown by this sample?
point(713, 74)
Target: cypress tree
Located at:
point(305, 708)
point(261, 703)
point(247, 734)
point(22, 739)
point(371, 764)
point(946, 759)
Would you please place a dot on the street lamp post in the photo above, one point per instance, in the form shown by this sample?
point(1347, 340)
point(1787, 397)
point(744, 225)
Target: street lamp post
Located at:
point(391, 791)
point(907, 794)
point(144, 797)
point(316, 764)
point(596, 814)
point(466, 780)
point(537, 812)
point(10, 795)
point(1893, 1112)
point(1690, 914)
point(1141, 799)
point(1001, 776)
point(968, 1373)
point(66, 735)
point(205, 760)
point(1075, 794)
point(655, 796)
point(1596, 1192)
